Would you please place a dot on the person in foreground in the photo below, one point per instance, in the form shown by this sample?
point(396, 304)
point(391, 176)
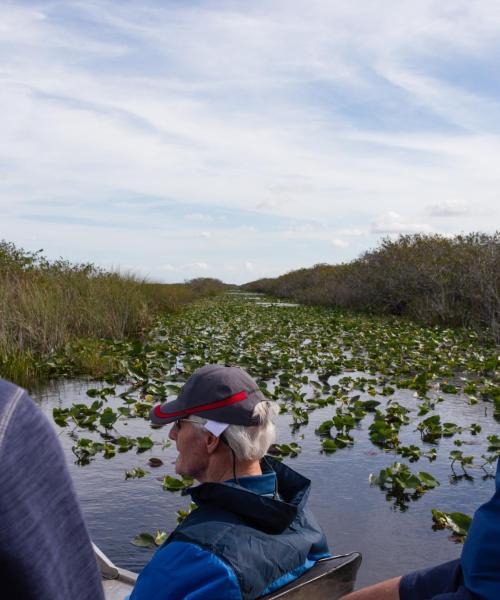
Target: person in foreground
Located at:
point(475, 576)
point(45, 550)
point(251, 532)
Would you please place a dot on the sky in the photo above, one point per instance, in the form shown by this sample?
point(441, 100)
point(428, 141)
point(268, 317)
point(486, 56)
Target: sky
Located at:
point(240, 140)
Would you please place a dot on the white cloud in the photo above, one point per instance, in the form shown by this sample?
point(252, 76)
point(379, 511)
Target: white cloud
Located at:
point(206, 234)
point(288, 110)
point(249, 266)
point(354, 232)
point(393, 223)
point(186, 267)
point(195, 265)
point(447, 208)
point(199, 217)
point(339, 243)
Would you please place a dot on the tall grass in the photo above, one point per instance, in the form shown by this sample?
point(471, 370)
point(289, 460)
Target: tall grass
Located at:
point(429, 278)
point(44, 305)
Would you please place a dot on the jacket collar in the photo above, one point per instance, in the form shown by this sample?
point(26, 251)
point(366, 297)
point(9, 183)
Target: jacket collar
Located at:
point(267, 514)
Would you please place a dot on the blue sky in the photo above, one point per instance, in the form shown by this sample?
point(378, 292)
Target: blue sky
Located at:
point(244, 139)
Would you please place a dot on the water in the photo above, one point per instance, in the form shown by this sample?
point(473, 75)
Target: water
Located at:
point(354, 515)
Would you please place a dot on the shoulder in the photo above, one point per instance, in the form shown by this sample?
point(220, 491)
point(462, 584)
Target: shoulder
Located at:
point(184, 570)
point(9, 395)
point(12, 398)
point(481, 552)
point(20, 418)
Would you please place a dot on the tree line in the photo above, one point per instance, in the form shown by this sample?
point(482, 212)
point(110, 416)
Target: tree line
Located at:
point(432, 279)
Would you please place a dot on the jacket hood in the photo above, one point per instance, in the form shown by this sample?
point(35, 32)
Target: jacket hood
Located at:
point(272, 515)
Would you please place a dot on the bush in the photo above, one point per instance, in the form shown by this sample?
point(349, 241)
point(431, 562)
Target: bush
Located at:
point(429, 278)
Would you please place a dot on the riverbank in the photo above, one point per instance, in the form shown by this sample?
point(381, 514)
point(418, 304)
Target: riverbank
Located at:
point(431, 279)
point(55, 316)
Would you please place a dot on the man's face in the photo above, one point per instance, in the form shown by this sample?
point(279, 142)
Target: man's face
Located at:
point(190, 441)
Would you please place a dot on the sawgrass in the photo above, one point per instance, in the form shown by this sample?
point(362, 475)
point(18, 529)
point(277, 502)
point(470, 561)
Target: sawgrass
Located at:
point(46, 306)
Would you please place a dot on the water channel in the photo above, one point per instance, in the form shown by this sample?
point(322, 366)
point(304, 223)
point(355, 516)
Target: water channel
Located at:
point(354, 515)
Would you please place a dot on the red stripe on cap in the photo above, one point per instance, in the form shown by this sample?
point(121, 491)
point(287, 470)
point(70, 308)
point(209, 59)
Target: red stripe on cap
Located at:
point(234, 399)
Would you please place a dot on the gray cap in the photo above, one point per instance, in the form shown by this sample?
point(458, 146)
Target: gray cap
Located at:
point(215, 392)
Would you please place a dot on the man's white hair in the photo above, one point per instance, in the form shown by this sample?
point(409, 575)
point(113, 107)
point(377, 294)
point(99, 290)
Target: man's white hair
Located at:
point(251, 443)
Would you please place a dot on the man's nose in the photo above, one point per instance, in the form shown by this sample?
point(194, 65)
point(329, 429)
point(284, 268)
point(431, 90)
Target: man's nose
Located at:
point(172, 434)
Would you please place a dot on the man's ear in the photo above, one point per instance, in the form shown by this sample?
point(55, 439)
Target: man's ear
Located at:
point(212, 443)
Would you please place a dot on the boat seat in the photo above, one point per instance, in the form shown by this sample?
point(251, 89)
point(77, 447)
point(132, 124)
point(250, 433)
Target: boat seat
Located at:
point(329, 579)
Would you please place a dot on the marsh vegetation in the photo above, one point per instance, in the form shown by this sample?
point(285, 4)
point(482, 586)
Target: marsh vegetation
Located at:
point(431, 279)
point(53, 314)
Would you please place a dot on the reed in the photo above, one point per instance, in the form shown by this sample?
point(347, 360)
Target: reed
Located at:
point(45, 305)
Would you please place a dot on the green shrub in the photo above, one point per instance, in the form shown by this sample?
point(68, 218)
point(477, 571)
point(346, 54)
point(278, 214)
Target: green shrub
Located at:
point(429, 278)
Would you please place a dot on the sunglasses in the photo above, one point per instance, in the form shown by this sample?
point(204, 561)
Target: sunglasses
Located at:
point(177, 422)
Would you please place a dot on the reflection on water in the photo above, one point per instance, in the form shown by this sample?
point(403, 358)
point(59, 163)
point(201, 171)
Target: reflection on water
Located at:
point(354, 515)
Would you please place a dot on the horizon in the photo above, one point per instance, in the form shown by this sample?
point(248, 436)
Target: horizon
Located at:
point(236, 141)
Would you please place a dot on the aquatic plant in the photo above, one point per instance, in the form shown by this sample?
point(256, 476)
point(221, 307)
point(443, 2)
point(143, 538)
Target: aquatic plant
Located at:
point(174, 484)
point(136, 473)
point(458, 522)
point(305, 359)
point(457, 456)
point(401, 485)
point(281, 450)
point(147, 540)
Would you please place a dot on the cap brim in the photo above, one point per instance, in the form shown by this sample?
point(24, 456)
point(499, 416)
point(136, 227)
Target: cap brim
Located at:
point(236, 409)
point(168, 412)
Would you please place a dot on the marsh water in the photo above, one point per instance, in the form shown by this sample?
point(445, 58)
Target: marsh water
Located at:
point(354, 515)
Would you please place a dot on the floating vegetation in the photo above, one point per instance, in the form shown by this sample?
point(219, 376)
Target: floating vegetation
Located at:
point(414, 453)
point(136, 473)
point(182, 514)
point(380, 379)
point(146, 540)
point(457, 456)
point(458, 522)
point(279, 451)
point(493, 443)
point(174, 484)
point(431, 428)
point(401, 485)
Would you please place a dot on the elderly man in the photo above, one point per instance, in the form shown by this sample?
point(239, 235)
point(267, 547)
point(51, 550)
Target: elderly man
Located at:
point(251, 533)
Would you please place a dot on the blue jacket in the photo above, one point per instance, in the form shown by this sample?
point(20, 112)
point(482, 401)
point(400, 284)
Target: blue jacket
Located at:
point(477, 574)
point(481, 553)
point(241, 542)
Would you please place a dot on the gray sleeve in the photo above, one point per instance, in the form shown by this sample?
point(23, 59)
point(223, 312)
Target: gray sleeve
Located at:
point(43, 538)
